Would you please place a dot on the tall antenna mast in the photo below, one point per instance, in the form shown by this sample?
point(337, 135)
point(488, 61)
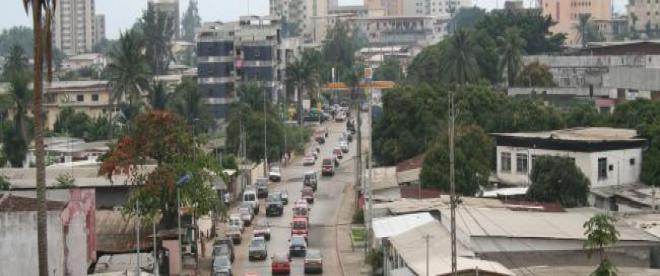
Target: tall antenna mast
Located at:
point(452, 184)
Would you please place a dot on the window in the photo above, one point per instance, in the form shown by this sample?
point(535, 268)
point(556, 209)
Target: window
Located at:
point(95, 97)
point(505, 159)
point(632, 161)
point(80, 98)
point(521, 163)
point(602, 168)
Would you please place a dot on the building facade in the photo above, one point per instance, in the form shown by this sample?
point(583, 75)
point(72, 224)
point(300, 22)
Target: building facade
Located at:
point(237, 52)
point(89, 97)
point(171, 8)
point(606, 156)
point(74, 26)
point(567, 12)
point(305, 16)
point(99, 28)
point(399, 30)
point(436, 8)
point(644, 15)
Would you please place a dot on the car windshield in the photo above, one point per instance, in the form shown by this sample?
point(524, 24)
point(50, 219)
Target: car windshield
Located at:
point(221, 262)
point(221, 250)
point(297, 240)
point(257, 243)
point(299, 225)
point(274, 197)
point(313, 254)
point(249, 197)
point(261, 182)
point(327, 162)
point(275, 169)
point(300, 211)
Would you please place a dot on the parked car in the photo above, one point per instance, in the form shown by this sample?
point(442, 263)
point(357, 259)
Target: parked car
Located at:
point(250, 196)
point(222, 264)
point(313, 261)
point(262, 229)
point(310, 180)
point(307, 193)
point(319, 138)
point(246, 215)
point(262, 187)
point(280, 264)
point(228, 242)
point(297, 246)
point(274, 206)
point(275, 174)
point(257, 249)
point(235, 234)
point(285, 196)
point(223, 250)
point(337, 152)
point(343, 146)
point(309, 160)
point(300, 227)
point(300, 211)
point(235, 220)
point(327, 168)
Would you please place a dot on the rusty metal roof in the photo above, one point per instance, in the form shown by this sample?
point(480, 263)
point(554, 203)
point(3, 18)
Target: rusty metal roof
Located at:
point(11, 203)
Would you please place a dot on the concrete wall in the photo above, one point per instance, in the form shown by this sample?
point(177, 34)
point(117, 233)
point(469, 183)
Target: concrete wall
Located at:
point(18, 237)
point(621, 173)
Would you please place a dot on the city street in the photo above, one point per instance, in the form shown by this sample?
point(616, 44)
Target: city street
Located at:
point(323, 215)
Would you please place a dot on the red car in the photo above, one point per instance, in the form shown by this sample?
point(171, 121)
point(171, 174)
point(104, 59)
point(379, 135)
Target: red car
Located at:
point(307, 194)
point(328, 168)
point(299, 227)
point(281, 264)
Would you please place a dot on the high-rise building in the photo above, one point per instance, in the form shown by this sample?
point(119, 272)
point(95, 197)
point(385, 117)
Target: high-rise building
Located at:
point(644, 15)
point(435, 8)
point(307, 15)
point(171, 8)
point(73, 26)
point(99, 28)
point(567, 13)
point(236, 52)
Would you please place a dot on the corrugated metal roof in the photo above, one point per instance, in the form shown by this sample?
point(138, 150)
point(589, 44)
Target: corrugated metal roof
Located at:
point(585, 134)
point(390, 226)
point(383, 178)
point(12, 203)
point(506, 192)
point(116, 234)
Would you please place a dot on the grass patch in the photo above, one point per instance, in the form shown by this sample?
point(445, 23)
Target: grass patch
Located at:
point(359, 235)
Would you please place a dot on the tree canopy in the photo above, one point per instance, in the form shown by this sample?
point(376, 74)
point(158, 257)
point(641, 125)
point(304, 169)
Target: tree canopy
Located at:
point(190, 21)
point(558, 179)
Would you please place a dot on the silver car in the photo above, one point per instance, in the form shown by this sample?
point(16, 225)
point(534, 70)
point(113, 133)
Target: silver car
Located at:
point(222, 264)
point(257, 249)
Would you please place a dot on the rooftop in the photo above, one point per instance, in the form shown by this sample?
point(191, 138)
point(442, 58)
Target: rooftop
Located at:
point(86, 56)
point(11, 203)
point(581, 271)
point(411, 164)
point(582, 134)
point(76, 84)
point(383, 178)
point(86, 176)
point(390, 226)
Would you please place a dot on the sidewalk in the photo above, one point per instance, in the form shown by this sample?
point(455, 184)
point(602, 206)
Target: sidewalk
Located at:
point(351, 260)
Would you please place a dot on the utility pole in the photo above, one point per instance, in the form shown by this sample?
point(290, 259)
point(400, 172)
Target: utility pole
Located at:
point(156, 263)
point(265, 138)
point(426, 238)
point(452, 118)
point(137, 236)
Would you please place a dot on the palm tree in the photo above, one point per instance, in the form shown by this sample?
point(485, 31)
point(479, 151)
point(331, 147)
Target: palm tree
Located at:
point(304, 74)
point(511, 49)
point(601, 232)
point(158, 95)
point(17, 74)
point(459, 59)
point(41, 9)
point(157, 31)
point(128, 70)
point(587, 31)
point(187, 102)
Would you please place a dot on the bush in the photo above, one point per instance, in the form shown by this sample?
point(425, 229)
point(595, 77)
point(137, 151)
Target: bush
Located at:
point(358, 216)
point(557, 179)
point(375, 260)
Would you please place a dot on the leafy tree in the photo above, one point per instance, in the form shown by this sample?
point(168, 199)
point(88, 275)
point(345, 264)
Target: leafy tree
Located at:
point(651, 158)
point(473, 151)
point(127, 69)
point(459, 59)
point(289, 28)
point(20, 36)
point(188, 103)
point(528, 115)
point(304, 75)
point(21, 97)
point(65, 180)
point(600, 231)
point(72, 123)
point(157, 30)
point(339, 49)
point(535, 74)
point(104, 46)
point(511, 47)
point(533, 25)
point(190, 21)
point(467, 17)
point(229, 162)
point(584, 115)
point(102, 128)
point(557, 179)
point(158, 95)
point(390, 70)
point(4, 183)
point(425, 67)
point(639, 114)
point(587, 30)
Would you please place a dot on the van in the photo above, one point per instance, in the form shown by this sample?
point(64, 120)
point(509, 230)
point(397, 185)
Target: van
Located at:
point(250, 197)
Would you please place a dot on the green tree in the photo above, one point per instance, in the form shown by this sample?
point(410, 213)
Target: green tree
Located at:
point(187, 102)
point(289, 28)
point(127, 69)
point(459, 59)
point(72, 123)
point(533, 25)
point(587, 31)
point(17, 36)
point(102, 128)
point(426, 65)
point(158, 95)
point(511, 47)
point(390, 70)
point(535, 74)
point(304, 75)
point(473, 151)
point(338, 50)
point(467, 17)
point(600, 231)
point(557, 179)
point(16, 139)
point(190, 21)
point(104, 46)
point(584, 115)
point(157, 31)
point(639, 114)
point(651, 157)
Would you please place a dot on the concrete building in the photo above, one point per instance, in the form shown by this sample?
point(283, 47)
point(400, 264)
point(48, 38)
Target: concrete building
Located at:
point(235, 52)
point(71, 233)
point(643, 14)
point(99, 28)
point(171, 8)
point(606, 156)
point(567, 12)
point(84, 60)
point(612, 29)
point(89, 97)
point(305, 15)
point(399, 30)
point(74, 26)
point(435, 8)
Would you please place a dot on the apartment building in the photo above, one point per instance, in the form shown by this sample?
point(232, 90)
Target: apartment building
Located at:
point(237, 52)
point(644, 14)
point(567, 13)
point(435, 8)
point(99, 28)
point(89, 97)
point(306, 14)
point(75, 26)
point(171, 8)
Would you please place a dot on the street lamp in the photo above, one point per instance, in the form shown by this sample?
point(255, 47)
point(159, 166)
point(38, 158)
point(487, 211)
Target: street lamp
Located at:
point(180, 183)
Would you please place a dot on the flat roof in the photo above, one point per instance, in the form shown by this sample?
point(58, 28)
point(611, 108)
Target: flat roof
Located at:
point(583, 134)
point(383, 178)
point(390, 226)
point(21, 178)
point(581, 271)
point(12, 203)
point(74, 84)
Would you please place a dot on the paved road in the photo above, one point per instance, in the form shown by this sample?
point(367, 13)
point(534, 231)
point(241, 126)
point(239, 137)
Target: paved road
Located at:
point(323, 216)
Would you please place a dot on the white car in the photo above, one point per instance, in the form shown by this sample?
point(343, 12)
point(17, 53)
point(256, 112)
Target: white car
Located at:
point(309, 160)
point(343, 146)
point(236, 221)
point(275, 174)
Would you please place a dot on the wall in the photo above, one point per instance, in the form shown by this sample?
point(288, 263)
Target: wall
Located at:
point(622, 173)
point(566, 12)
point(18, 233)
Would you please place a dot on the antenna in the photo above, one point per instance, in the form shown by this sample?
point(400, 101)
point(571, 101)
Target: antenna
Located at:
point(452, 184)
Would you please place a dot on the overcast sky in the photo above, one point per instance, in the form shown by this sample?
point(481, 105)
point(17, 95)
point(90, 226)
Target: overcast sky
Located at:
point(121, 14)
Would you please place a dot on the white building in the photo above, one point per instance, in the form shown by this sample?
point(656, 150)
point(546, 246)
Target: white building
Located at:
point(304, 14)
point(436, 8)
point(606, 156)
point(76, 27)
